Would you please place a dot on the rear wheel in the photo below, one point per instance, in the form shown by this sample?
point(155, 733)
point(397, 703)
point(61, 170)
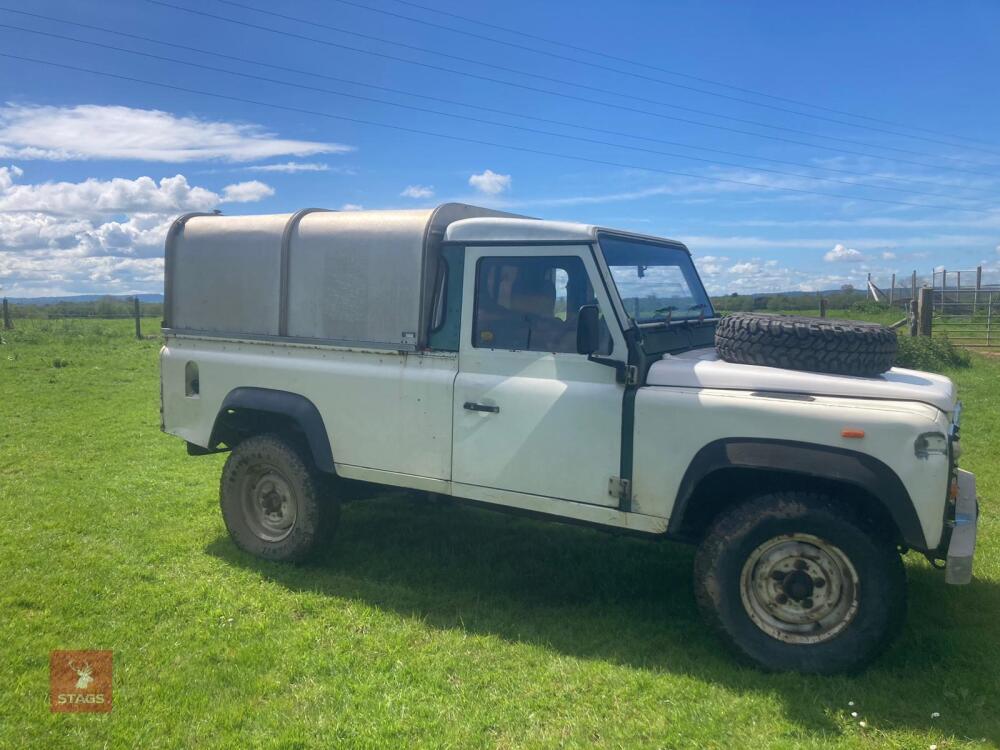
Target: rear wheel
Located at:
point(273, 500)
point(795, 582)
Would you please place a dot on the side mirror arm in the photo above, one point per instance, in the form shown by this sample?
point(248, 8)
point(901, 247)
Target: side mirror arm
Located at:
point(624, 373)
point(587, 342)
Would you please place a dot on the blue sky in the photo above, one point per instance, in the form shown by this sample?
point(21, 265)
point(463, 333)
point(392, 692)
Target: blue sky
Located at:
point(92, 168)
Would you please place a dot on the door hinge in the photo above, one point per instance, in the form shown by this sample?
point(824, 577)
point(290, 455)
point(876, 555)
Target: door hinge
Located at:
point(620, 488)
point(631, 376)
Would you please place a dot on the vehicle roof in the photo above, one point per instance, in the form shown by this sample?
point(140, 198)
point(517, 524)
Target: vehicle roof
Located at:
point(503, 229)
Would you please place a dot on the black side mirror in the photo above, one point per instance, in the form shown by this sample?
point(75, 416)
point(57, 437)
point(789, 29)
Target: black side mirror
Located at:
point(588, 330)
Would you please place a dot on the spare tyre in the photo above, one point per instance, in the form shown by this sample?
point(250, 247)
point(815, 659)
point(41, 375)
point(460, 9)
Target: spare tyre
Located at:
point(840, 347)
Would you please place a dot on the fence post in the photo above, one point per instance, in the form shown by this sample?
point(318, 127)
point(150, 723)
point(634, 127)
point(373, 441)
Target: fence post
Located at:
point(925, 304)
point(912, 317)
point(944, 286)
point(138, 324)
point(989, 319)
point(979, 285)
point(7, 322)
point(892, 290)
point(913, 285)
point(822, 307)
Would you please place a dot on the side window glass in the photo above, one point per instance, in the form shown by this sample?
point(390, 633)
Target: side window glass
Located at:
point(531, 304)
point(446, 316)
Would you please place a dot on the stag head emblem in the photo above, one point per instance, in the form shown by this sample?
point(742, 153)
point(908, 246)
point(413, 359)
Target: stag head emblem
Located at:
point(84, 673)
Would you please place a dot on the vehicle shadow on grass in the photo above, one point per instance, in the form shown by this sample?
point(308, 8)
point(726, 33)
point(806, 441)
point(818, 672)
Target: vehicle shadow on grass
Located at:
point(628, 601)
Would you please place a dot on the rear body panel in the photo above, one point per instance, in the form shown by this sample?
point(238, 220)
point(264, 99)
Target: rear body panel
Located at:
point(382, 410)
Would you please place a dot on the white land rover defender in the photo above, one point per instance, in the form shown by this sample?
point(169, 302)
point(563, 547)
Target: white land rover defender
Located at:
point(573, 372)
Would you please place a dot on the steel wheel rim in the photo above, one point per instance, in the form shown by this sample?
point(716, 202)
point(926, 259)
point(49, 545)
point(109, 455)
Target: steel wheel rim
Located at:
point(269, 504)
point(799, 589)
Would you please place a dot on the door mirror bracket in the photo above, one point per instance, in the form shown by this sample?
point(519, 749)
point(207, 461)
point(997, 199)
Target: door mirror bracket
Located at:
point(588, 335)
point(624, 374)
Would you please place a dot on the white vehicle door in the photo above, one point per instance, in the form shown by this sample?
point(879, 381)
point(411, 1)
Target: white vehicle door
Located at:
point(532, 415)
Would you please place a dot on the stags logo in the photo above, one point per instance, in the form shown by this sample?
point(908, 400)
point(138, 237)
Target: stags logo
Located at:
point(80, 681)
point(85, 673)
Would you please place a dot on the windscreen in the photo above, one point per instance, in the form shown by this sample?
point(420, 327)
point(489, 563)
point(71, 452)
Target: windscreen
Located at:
point(656, 283)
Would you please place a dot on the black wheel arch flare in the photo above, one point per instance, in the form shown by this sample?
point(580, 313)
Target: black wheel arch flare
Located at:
point(291, 406)
point(803, 460)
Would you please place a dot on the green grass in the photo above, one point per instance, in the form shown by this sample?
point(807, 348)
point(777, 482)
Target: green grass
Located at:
point(425, 625)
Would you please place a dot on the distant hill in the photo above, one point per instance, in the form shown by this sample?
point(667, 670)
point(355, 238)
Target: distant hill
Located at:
point(154, 298)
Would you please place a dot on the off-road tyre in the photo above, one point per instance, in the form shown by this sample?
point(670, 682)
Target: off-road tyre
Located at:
point(275, 471)
point(879, 597)
point(840, 347)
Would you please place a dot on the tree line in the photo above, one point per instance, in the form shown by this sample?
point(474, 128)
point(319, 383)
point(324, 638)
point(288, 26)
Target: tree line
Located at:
point(846, 298)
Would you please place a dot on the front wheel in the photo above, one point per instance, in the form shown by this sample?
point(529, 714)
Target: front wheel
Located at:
point(796, 582)
point(273, 500)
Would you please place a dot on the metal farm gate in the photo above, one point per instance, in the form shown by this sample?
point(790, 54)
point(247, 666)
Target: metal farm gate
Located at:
point(967, 317)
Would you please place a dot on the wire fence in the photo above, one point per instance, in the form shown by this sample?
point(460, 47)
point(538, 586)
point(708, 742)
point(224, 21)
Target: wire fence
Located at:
point(967, 317)
point(108, 309)
point(900, 290)
point(960, 304)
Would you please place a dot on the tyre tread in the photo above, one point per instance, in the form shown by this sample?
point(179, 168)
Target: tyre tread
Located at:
point(318, 511)
point(839, 347)
point(732, 524)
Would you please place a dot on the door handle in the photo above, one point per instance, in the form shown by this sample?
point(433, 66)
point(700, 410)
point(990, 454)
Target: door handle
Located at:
point(473, 406)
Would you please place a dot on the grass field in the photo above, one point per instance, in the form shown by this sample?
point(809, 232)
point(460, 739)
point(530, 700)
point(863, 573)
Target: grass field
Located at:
point(424, 625)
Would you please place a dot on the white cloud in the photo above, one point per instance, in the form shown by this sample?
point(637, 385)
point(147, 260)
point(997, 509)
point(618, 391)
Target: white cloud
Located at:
point(21, 230)
point(888, 256)
point(290, 167)
point(418, 191)
point(141, 235)
point(102, 236)
point(91, 131)
point(490, 183)
point(97, 198)
point(998, 249)
point(8, 175)
point(842, 254)
point(710, 265)
point(246, 192)
point(352, 207)
point(763, 276)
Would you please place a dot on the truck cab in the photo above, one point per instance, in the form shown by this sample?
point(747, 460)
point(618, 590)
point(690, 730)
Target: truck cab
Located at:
point(563, 370)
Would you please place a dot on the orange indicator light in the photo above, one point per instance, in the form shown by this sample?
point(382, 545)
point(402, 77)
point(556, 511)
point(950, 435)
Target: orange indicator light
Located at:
point(849, 433)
